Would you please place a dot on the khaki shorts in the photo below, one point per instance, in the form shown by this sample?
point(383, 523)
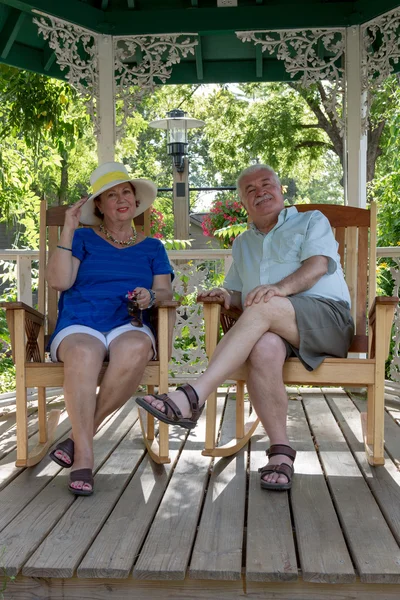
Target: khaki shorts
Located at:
point(326, 328)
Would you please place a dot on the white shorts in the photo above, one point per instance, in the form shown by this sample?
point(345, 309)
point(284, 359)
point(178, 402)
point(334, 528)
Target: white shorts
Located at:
point(106, 337)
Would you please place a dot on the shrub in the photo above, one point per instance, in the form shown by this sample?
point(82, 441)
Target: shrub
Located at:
point(226, 212)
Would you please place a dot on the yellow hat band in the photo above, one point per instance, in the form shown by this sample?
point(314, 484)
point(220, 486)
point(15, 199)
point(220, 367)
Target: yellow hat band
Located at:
point(109, 178)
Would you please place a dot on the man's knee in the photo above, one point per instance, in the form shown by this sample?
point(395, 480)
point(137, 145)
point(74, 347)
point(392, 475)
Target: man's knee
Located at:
point(269, 350)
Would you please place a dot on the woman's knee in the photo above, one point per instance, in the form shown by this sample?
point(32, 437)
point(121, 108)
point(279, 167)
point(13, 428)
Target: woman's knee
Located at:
point(82, 354)
point(128, 347)
point(270, 349)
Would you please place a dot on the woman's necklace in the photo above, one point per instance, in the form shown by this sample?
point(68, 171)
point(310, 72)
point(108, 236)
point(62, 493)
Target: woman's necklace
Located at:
point(127, 242)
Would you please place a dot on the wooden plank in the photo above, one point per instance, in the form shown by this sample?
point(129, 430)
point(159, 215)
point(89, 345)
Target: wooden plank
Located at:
point(8, 469)
point(270, 550)
point(24, 534)
point(340, 216)
point(114, 550)
point(28, 588)
point(30, 482)
point(374, 551)
point(64, 548)
point(362, 281)
point(351, 268)
point(384, 481)
point(166, 556)
point(217, 552)
point(340, 235)
point(8, 431)
point(313, 511)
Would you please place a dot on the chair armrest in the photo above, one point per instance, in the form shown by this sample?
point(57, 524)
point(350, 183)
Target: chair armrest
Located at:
point(210, 300)
point(382, 309)
point(168, 304)
point(382, 301)
point(22, 305)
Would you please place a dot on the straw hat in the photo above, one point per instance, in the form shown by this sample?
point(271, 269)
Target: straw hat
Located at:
point(105, 177)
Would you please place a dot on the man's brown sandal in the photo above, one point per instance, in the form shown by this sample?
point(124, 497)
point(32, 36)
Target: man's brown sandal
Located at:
point(172, 414)
point(84, 475)
point(282, 469)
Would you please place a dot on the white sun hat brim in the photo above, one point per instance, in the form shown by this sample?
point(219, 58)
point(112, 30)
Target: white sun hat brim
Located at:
point(145, 193)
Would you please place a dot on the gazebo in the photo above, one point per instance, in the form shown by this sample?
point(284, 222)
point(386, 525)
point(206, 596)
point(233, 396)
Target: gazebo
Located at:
point(186, 529)
point(121, 49)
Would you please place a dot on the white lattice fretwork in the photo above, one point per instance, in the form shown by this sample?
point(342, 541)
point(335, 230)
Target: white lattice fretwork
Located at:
point(312, 54)
point(143, 61)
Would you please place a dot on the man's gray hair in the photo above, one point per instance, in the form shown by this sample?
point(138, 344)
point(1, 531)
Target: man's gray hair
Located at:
point(254, 169)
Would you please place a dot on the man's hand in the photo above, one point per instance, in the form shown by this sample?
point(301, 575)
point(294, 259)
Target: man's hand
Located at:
point(220, 293)
point(261, 292)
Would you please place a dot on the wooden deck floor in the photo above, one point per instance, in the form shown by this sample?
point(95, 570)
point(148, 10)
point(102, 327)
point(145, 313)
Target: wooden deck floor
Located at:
point(204, 529)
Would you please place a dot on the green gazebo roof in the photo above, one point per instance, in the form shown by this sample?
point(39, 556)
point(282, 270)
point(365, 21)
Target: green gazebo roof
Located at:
point(220, 56)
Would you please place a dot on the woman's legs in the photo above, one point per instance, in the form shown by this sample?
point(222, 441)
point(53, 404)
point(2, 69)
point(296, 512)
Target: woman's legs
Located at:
point(277, 315)
point(129, 354)
point(83, 356)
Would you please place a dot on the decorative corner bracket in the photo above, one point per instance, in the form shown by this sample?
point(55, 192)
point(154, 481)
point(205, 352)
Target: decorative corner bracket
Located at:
point(141, 60)
point(315, 54)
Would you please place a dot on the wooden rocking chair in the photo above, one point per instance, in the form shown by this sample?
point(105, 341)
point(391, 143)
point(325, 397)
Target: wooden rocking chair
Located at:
point(355, 232)
point(29, 337)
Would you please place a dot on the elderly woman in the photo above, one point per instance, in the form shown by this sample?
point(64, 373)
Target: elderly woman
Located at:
point(94, 268)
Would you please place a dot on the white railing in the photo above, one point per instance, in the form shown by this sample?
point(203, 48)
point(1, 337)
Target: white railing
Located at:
point(394, 254)
point(194, 269)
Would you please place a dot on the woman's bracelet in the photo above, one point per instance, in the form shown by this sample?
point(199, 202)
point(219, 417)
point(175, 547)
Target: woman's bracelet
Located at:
point(152, 299)
point(64, 248)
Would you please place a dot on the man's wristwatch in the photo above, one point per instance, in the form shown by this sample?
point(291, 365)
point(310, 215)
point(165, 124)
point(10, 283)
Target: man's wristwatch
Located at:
point(152, 299)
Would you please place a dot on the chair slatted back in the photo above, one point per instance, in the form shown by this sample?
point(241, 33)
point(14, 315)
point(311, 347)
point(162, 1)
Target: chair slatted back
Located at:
point(51, 223)
point(355, 231)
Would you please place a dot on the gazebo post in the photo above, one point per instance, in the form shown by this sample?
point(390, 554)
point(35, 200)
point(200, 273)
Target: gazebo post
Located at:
point(106, 100)
point(356, 137)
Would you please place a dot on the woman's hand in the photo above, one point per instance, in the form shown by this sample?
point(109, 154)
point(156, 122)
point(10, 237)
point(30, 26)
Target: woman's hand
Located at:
point(143, 297)
point(219, 293)
point(73, 214)
point(263, 292)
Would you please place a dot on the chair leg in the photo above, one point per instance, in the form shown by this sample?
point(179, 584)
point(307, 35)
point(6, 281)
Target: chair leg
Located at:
point(244, 430)
point(47, 428)
point(373, 426)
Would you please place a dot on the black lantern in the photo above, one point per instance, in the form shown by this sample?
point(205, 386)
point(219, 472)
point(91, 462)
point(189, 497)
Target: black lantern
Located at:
point(177, 125)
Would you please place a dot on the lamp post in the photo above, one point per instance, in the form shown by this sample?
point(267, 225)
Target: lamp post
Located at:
point(177, 124)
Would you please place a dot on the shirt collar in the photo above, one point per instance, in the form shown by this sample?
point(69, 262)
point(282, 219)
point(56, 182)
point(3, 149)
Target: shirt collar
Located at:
point(284, 215)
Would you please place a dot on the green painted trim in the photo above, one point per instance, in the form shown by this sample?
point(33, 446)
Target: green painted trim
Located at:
point(194, 2)
point(370, 9)
point(229, 71)
point(31, 59)
point(70, 10)
point(259, 62)
point(49, 57)
point(104, 4)
point(218, 20)
point(10, 31)
point(199, 60)
point(131, 3)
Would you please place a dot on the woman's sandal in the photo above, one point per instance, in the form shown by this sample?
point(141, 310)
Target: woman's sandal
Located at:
point(67, 446)
point(172, 414)
point(282, 469)
point(84, 475)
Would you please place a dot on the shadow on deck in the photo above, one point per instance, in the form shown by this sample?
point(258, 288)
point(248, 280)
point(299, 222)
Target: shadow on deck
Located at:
point(199, 528)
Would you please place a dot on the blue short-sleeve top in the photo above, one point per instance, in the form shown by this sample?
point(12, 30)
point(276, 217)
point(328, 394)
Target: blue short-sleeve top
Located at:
point(105, 275)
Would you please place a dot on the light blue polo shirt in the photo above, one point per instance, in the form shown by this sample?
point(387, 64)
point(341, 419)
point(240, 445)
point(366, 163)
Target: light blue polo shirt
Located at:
point(260, 258)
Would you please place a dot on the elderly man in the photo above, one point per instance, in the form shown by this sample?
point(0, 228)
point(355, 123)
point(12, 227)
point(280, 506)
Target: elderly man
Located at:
point(287, 278)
